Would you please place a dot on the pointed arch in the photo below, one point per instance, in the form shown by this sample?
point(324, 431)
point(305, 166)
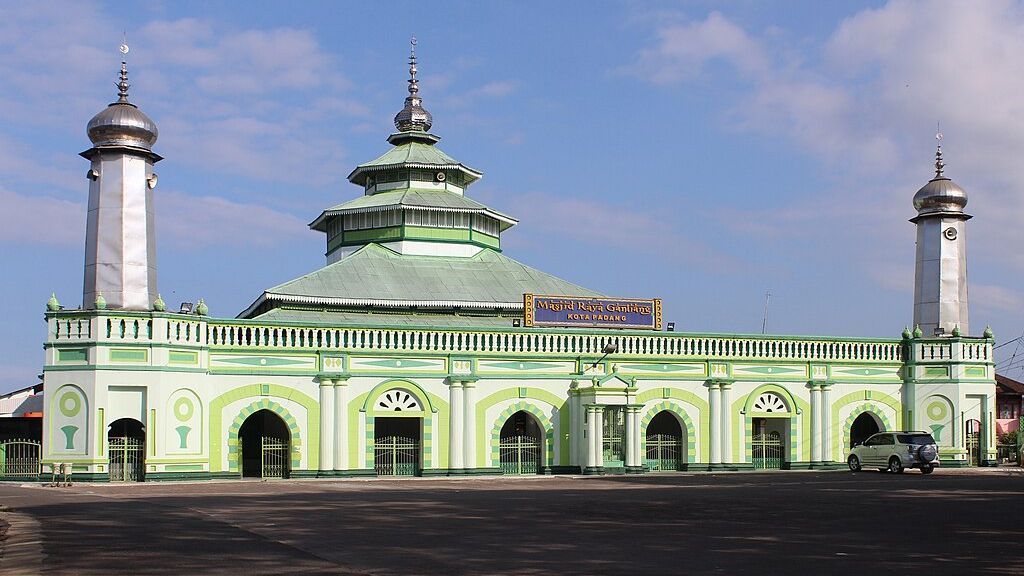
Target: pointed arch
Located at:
point(545, 424)
point(264, 404)
point(865, 408)
point(684, 419)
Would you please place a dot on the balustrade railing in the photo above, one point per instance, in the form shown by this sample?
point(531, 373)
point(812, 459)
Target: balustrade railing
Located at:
point(235, 334)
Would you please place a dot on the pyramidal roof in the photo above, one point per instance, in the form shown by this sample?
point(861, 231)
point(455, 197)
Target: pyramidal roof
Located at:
point(377, 277)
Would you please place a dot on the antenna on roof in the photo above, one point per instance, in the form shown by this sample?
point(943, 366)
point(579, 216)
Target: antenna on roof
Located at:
point(764, 318)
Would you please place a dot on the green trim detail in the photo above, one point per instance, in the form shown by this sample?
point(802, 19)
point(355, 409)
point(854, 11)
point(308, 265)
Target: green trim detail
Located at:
point(867, 396)
point(218, 404)
point(183, 357)
point(865, 408)
point(129, 355)
point(549, 432)
point(688, 397)
point(72, 355)
point(289, 420)
point(422, 395)
point(560, 404)
point(667, 406)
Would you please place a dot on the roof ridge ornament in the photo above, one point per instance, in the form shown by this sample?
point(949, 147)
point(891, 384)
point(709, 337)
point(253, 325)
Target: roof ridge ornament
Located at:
point(413, 117)
point(123, 85)
point(939, 165)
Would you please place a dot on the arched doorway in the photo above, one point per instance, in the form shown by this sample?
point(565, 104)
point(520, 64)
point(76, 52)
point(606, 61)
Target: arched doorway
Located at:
point(520, 446)
point(863, 426)
point(769, 431)
point(665, 443)
point(126, 450)
point(972, 441)
point(264, 446)
point(396, 446)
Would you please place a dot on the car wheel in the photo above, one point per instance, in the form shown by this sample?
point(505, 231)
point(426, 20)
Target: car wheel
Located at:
point(895, 465)
point(927, 469)
point(854, 463)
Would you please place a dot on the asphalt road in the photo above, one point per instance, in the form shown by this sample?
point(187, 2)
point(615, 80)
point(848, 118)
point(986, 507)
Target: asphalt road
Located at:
point(767, 523)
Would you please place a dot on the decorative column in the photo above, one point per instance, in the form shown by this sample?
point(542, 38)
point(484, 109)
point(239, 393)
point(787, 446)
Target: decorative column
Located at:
point(456, 416)
point(341, 432)
point(634, 464)
point(826, 424)
point(326, 425)
point(714, 407)
point(575, 425)
point(469, 420)
point(815, 423)
point(595, 444)
point(726, 402)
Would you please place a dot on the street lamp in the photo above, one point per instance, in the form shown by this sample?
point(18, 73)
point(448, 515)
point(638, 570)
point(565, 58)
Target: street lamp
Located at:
point(610, 348)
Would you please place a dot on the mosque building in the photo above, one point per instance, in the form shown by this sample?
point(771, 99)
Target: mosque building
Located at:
point(421, 348)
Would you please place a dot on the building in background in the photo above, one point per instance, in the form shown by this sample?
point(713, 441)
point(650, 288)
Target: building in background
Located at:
point(422, 348)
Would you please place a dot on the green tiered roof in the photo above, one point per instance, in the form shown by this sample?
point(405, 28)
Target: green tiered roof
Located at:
point(375, 284)
point(375, 276)
point(408, 197)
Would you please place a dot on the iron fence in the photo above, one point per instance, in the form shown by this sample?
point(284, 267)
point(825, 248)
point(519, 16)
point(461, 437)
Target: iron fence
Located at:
point(19, 459)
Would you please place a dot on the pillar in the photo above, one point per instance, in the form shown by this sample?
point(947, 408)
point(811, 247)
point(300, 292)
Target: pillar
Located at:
point(341, 432)
point(726, 403)
point(715, 410)
point(326, 424)
point(634, 463)
point(595, 439)
point(826, 423)
point(456, 417)
point(815, 423)
point(469, 422)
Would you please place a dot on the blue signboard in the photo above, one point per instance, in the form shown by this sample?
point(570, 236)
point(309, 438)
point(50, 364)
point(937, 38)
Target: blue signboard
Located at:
point(575, 311)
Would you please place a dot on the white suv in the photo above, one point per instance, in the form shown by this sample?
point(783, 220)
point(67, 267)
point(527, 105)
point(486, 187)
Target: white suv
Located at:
point(894, 451)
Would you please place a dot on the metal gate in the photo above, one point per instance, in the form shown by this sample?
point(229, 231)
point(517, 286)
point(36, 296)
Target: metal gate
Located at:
point(973, 443)
point(519, 455)
point(275, 457)
point(127, 458)
point(766, 451)
point(396, 456)
point(19, 459)
point(664, 452)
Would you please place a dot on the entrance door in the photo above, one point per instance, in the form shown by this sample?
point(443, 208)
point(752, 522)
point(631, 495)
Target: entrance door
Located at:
point(126, 450)
point(613, 444)
point(264, 444)
point(863, 426)
point(519, 446)
point(972, 441)
point(396, 446)
point(766, 444)
point(665, 443)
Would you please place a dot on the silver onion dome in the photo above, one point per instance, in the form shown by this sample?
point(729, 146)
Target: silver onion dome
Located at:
point(413, 117)
point(940, 194)
point(122, 123)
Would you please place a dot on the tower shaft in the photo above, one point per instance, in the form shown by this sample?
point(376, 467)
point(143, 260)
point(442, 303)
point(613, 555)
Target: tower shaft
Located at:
point(120, 240)
point(940, 275)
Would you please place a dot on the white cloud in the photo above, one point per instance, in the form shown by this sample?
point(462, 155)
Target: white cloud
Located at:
point(40, 220)
point(867, 109)
point(495, 89)
point(194, 222)
point(615, 227)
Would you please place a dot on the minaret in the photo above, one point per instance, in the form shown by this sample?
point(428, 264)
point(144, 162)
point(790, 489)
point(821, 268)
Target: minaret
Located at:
point(120, 242)
point(940, 273)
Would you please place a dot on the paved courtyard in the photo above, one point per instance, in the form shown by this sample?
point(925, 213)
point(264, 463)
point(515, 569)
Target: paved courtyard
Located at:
point(768, 523)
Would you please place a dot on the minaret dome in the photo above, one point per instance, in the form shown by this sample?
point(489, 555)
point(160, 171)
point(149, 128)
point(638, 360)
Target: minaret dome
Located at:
point(940, 194)
point(413, 117)
point(122, 123)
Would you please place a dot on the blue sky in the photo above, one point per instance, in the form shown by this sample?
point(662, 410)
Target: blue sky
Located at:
point(698, 152)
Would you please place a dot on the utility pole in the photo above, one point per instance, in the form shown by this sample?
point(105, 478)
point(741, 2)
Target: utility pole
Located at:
point(764, 318)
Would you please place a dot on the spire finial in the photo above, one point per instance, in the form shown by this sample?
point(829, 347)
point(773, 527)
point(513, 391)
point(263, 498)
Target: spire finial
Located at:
point(414, 86)
point(413, 117)
point(938, 152)
point(122, 86)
